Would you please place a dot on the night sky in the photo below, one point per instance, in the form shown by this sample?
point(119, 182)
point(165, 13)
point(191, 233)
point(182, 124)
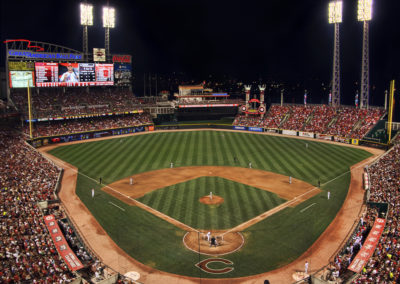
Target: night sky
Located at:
point(280, 40)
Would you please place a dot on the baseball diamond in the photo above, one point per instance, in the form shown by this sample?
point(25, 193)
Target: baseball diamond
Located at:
point(163, 205)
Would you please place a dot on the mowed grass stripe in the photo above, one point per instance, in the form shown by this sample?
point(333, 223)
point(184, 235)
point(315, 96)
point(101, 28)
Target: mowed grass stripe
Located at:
point(131, 149)
point(181, 156)
point(162, 160)
point(153, 153)
point(304, 154)
point(95, 166)
point(258, 160)
point(316, 161)
point(300, 167)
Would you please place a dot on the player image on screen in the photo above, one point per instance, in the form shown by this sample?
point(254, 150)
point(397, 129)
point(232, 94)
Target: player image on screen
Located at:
point(69, 71)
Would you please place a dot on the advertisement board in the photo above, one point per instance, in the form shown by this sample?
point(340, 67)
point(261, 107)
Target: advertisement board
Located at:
point(289, 132)
point(61, 244)
point(368, 247)
point(21, 66)
point(208, 105)
point(122, 74)
point(73, 74)
point(256, 129)
point(122, 58)
point(240, 127)
point(20, 79)
point(306, 134)
point(99, 54)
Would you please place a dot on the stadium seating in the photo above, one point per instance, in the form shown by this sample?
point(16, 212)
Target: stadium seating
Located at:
point(27, 252)
point(346, 122)
point(56, 103)
point(52, 128)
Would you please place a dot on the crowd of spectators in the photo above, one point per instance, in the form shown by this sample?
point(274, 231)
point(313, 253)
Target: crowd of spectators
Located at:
point(76, 101)
point(27, 253)
point(297, 118)
point(321, 117)
point(384, 264)
point(275, 115)
point(346, 122)
point(61, 127)
point(242, 120)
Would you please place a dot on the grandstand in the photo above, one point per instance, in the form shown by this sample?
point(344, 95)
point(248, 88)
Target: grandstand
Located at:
point(341, 122)
point(53, 112)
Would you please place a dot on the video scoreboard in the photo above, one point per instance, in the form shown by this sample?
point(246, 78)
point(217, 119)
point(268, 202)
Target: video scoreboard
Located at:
point(53, 74)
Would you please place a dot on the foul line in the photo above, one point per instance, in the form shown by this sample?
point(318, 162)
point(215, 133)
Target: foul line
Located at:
point(116, 206)
point(304, 209)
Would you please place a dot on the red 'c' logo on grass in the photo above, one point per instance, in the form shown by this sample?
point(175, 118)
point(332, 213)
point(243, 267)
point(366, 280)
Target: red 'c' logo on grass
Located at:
point(203, 265)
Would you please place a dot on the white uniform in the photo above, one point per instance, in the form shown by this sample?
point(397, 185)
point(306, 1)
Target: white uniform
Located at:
point(329, 194)
point(92, 192)
point(69, 77)
point(306, 267)
point(208, 236)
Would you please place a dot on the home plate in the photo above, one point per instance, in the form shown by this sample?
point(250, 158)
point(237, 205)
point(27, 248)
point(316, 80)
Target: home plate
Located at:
point(133, 275)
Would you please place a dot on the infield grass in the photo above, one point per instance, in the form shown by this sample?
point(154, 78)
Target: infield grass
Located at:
point(269, 244)
point(241, 202)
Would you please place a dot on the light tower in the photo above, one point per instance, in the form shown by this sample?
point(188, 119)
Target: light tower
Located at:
point(86, 20)
point(364, 14)
point(335, 17)
point(108, 22)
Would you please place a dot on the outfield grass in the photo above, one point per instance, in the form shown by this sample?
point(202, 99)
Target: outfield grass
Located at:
point(270, 243)
point(241, 202)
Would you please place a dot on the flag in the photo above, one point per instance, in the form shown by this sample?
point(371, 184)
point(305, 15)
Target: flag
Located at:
point(330, 98)
point(356, 100)
point(305, 98)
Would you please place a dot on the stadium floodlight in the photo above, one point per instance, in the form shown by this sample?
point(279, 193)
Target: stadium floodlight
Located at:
point(335, 12)
point(364, 12)
point(335, 17)
point(108, 17)
point(86, 14)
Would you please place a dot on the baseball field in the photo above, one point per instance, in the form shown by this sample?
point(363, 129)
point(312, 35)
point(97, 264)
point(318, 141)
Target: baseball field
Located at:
point(154, 200)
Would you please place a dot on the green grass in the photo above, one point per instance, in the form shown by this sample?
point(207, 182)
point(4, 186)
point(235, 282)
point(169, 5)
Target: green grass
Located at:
point(181, 202)
point(270, 243)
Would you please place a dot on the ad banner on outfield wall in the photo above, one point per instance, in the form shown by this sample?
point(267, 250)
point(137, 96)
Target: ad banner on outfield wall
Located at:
point(240, 127)
point(323, 136)
point(61, 244)
point(306, 134)
point(289, 132)
point(256, 129)
point(369, 246)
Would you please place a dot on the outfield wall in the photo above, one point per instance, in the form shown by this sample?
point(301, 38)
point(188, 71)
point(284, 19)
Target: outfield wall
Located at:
point(43, 141)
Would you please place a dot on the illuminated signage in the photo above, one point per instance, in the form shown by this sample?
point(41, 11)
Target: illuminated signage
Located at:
point(44, 55)
point(122, 58)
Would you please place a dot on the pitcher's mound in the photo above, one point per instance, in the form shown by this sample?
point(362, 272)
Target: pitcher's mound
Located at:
point(215, 200)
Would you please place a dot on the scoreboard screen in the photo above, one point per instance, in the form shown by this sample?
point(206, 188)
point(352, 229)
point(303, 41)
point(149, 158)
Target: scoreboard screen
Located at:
point(73, 74)
point(21, 79)
point(105, 73)
point(46, 74)
point(87, 72)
